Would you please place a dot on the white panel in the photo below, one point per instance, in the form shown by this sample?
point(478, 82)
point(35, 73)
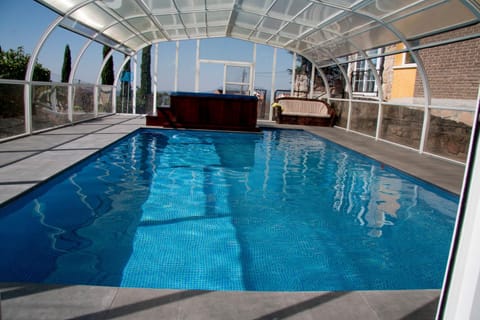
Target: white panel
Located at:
point(255, 6)
point(287, 8)
point(245, 19)
point(118, 32)
point(142, 24)
point(293, 30)
point(316, 14)
point(93, 16)
point(193, 19)
point(189, 5)
point(62, 5)
point(161, 7)
point(127, 9)
point(219, 4)
point(170, 21)
point(446, 15)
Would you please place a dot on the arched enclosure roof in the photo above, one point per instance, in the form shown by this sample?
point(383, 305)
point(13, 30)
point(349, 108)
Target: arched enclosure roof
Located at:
point(319, 30)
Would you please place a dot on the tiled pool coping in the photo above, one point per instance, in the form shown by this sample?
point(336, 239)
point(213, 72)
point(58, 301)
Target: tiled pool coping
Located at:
point(30, 160)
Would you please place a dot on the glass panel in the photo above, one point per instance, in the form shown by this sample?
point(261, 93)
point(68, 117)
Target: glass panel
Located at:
point(319, 36)
point(218, 4)
point(153, 36)
point(270, 24)
point(161, 7)
point(105, 94)
point(236, 89)
point(193, 19)
point(118, 32)
point(217, 18)
point(247, 19)
point(382, 8)
point(134, 43)
point(342, 3)
point(189, 5)
point(71, 24)
point(449, 133)
point(171, 21)
point(402, 125)
point(238, 74)
point(446, 15)
point(82, 102)
point(197, 32)
point(216, 31)
point(178, 34)
point(341, 109)
point(364, 117)
point(285, 9)
point(240, 32)
point(93, 16)
point(142, 24)
point(62, 5)
point(126, 9)
point(373, 38)
point(50, 106)
point(316, 14)
point(293, 30)
point(349, 22)
point(256, 6)
point(211, 77)
point(12, 113)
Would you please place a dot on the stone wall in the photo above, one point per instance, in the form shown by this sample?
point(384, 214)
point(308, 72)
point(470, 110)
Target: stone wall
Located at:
point(403, 125)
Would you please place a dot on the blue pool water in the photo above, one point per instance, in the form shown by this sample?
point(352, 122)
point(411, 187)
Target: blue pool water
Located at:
point(281, 210)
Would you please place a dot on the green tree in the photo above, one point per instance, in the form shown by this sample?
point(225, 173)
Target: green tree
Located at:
point(67, 64)
point(13, 65)
point(146, 76)
point(108, 76)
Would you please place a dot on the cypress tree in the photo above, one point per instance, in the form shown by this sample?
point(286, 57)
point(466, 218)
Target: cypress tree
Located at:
point(107, 72)
point(146, 77)
point(67, 64)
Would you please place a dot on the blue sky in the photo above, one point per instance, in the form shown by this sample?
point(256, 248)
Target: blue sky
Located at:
point(22, 22)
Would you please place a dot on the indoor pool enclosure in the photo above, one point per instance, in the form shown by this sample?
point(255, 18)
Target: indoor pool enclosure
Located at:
point(281, 210)
point(390, 71)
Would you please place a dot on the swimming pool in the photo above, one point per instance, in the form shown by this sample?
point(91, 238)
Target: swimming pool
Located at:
point(282, 210)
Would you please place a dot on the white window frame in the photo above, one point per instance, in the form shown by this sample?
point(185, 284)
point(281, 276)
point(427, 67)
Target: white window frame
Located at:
point(378, 63)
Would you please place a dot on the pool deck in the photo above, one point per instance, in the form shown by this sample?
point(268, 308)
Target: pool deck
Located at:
point(28, 161)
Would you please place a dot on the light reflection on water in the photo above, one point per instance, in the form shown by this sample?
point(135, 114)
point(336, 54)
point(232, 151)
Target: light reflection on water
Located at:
point(201, 210)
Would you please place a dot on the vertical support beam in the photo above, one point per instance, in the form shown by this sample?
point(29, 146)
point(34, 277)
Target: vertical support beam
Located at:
point(27, 90)
point(272, 88)
point(155, 79)
point(197, 68)
point(224, 85)
point(428, 99)
point(115, 83)
point(294, 65)
point(252, 69)
point(460, 297)
point(177, 47)
point(97, 82)
point(312, 82)
point(134, 93)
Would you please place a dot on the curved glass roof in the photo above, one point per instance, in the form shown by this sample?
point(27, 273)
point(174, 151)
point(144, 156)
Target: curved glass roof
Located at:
point(319, 30)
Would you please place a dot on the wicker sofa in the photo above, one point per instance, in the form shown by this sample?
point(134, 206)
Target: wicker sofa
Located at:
point(290, 110)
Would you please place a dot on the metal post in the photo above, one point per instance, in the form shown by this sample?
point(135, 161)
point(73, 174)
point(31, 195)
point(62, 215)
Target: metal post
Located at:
point(312, 82)
point(294, 65)
point(272, 89)
point(155, 79)
point(197, 68)
point(134, 94)
point(252, 69)
point(177, 47)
